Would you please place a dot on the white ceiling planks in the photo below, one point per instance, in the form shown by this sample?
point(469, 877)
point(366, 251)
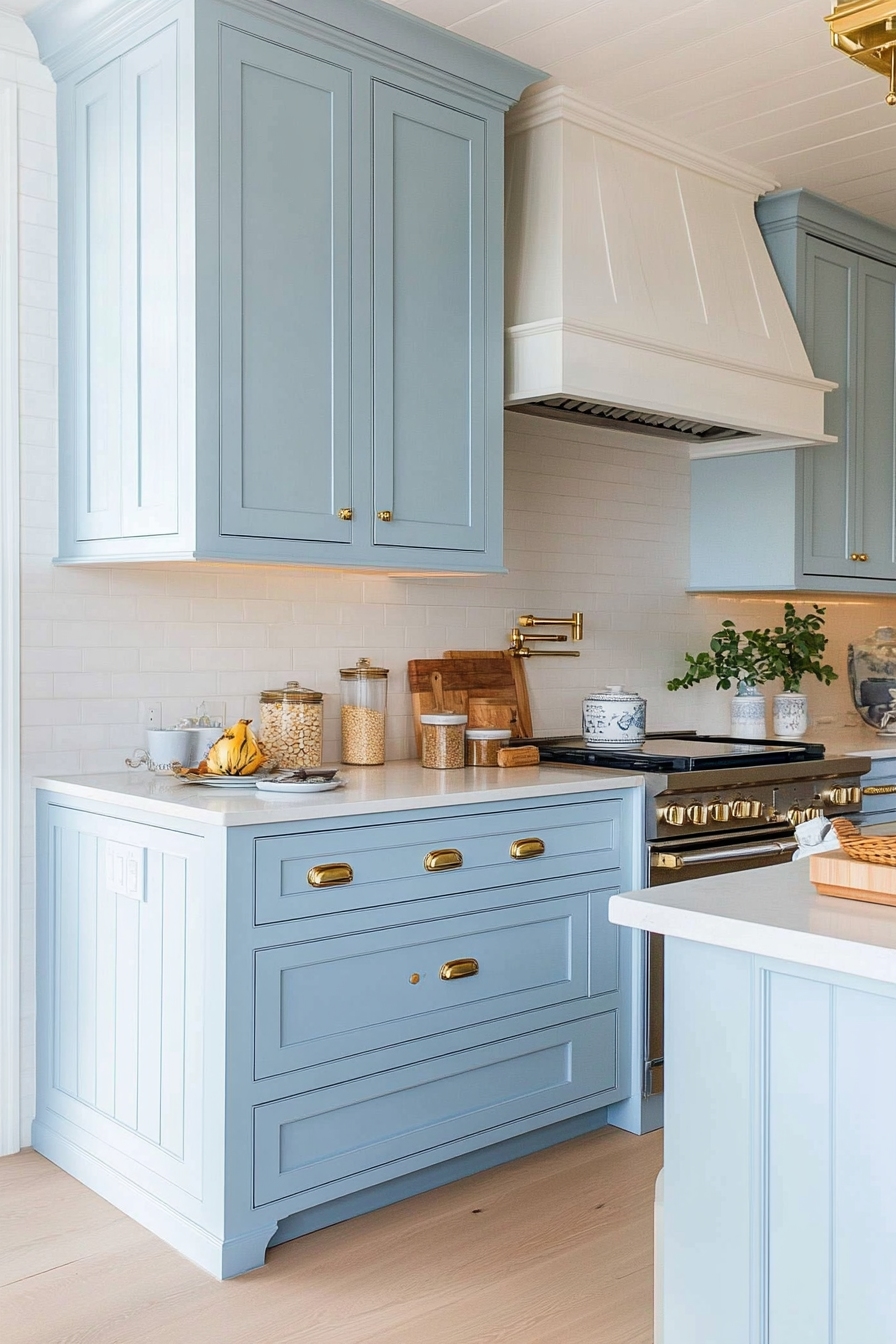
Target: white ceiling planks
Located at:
point(754, 79)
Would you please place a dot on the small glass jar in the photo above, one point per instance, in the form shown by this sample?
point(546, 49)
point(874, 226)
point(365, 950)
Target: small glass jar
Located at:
point(483, 745)
point(443, 741)
point(363, 713)
point(292, 726)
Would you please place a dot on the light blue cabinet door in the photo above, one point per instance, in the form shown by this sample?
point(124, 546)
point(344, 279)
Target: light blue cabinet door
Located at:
point(429, 276)
point(152, 400)
point(830, 332)
point(91, 426)
point(285, 238)
point(876, 419)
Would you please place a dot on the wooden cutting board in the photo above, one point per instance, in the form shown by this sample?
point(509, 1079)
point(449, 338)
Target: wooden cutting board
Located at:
point(835, 874)
point(490, 675)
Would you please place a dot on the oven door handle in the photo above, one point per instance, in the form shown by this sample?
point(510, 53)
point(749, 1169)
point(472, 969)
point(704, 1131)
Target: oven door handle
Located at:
point(693, 857)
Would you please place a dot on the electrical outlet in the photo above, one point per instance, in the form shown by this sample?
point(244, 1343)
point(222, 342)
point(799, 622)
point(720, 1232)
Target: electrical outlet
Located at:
point(151, 713)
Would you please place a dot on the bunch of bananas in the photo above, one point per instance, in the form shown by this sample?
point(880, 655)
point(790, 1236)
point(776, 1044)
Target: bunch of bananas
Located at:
point(236, 752)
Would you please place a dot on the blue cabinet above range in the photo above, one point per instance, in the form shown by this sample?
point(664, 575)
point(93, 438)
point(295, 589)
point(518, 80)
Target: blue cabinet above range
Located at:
point(816, 518)
point(281, 266)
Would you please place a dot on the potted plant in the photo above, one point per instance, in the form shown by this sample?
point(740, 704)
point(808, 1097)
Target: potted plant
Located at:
point(790, 652)
point(732, 658)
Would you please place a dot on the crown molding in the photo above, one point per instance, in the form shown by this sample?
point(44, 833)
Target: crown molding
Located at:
point(563, 104)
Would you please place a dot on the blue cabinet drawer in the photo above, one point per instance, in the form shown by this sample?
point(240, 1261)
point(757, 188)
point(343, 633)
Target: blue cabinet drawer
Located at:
point(389, 863)
point(427, 1110)
point(324, 1000)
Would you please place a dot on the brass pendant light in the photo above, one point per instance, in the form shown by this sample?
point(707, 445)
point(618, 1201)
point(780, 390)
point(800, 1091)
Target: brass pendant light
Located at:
point(866, 31)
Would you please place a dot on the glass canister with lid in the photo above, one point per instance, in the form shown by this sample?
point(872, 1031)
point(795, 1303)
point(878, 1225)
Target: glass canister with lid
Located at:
point(364, 713)
point(442, 741)
point(292, 726)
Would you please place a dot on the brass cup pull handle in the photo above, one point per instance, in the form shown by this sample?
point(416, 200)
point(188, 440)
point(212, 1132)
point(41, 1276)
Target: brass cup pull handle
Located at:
point(873, 789)
point(439, 860)
point(384, 516)
point(330, 875)
point(530, 848)
point(459, 968)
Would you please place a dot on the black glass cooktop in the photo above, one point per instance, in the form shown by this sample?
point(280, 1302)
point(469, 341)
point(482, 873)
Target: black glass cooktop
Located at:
point(672, 754)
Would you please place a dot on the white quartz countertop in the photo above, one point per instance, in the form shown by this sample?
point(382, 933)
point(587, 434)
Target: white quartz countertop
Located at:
point(773, 912)
point(396, 786)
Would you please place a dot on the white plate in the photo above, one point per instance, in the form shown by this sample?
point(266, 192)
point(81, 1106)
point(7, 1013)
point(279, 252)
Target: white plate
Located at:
point(219, 781)
point(299, 786)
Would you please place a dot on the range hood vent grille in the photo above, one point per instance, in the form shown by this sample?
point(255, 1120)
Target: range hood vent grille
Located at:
point(623, 417)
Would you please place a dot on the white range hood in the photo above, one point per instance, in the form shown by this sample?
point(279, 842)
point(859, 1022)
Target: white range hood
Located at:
point(639, 290)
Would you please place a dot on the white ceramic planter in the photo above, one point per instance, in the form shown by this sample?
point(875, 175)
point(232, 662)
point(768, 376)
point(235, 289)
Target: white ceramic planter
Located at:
point(748, 714)
point(790, 714)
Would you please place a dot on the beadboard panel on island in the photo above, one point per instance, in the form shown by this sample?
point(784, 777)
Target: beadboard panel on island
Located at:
point(594, 520)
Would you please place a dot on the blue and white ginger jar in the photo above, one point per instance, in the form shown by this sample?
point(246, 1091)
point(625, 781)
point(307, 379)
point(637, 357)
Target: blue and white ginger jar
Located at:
point(614, 718)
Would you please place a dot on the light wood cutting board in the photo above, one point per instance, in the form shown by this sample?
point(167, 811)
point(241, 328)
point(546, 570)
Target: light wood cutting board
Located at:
point(490, 674)
point(835, 874)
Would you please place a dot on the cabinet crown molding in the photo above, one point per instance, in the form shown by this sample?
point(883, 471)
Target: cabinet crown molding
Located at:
point(68, 31)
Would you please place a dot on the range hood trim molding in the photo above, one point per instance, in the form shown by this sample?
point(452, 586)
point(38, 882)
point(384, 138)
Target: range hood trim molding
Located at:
point(562, 104)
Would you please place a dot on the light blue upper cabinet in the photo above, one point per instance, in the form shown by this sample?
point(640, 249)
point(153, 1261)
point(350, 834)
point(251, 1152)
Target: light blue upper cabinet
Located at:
point(816, 518)
point(431, 473)
point(281, 260)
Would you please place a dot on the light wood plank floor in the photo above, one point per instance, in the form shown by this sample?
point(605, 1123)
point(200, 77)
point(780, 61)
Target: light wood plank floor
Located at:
point(555, 1248)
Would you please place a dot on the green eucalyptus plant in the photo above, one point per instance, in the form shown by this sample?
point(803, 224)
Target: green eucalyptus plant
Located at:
point(731, 658)
point(794, 650)
point(790, 652)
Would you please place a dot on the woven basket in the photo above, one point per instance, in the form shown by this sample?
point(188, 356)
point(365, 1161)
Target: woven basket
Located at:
point(864, 848)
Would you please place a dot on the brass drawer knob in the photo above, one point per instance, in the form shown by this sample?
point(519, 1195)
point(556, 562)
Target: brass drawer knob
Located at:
point(345, 515)
point(858, 555)
point(438, 860)
point(530, 848)
point(459, 968)
point(330, 875)
point(385, 515)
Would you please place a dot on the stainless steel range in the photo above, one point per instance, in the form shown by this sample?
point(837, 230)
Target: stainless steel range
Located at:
point(717, 804)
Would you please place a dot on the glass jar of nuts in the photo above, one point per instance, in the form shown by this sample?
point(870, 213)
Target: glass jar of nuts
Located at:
point(363, 713)
point(442, 743)
point(292, 726)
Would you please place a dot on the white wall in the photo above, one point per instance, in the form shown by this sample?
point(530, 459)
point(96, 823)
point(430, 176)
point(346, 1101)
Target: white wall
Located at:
point(595, 520)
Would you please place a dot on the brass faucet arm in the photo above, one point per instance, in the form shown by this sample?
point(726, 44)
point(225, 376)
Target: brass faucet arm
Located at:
point(576, 621)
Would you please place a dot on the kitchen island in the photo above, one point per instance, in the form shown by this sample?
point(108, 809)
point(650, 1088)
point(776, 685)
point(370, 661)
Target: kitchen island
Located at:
point(780, 1160)
point(262, 1014)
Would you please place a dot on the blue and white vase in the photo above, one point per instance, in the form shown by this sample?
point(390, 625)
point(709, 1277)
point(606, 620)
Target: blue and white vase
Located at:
point(790, 712)
point(614, 718)
point(748, 712)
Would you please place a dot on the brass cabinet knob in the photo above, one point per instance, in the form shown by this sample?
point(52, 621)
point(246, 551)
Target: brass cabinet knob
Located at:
point(674, 815)
point(720, 811)
point(438, 860)
point(459, 968)
point(385, 515)
point(858, 555)
point(527, 849)
point(741, 809)
point(330, 874)
point(345, 515)
point(697, 814)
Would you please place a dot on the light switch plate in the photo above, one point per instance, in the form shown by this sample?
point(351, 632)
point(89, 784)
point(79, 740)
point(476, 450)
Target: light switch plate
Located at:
point(125, 870)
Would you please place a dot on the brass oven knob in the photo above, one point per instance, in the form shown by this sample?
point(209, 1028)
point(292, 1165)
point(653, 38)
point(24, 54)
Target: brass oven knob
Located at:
point(813, 812)
point(839, 796)
point(757, 809)
point(674, 815)
point(720, 811)
point(855, 795)
point(697, 814)
point(741, 809)
point(796, 816)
